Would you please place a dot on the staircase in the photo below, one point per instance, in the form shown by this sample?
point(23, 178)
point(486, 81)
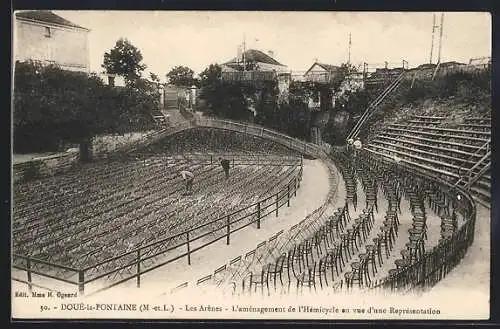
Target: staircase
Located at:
point(372, 107)
point(477, 178)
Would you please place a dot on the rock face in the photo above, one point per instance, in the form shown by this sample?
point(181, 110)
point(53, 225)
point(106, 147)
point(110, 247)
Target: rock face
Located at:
point(341, 119)
point(321, 119)
point(341, 123)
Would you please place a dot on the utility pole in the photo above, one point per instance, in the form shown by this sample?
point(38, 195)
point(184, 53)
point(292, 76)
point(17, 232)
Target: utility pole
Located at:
point(244, 50)
point(434, 27)
point(349, 58)
point(440, 37)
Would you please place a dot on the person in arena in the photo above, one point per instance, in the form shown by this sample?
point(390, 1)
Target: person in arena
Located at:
point(188, 177)
point(225, 165)
point(350, 147)
point(357, 146)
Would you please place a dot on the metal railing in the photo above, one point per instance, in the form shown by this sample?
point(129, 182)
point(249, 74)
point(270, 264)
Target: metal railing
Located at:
point(470, 177)
point(255, 130)
point(373, 105)
point(436, 263)
point(192, 240)
point(235, 159)
point(135, 258)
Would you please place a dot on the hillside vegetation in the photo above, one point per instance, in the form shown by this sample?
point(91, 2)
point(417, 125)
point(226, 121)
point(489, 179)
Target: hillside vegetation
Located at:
point(455, 96)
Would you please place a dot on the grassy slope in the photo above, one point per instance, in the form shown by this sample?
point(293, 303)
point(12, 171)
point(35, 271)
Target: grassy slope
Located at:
point(456, 97)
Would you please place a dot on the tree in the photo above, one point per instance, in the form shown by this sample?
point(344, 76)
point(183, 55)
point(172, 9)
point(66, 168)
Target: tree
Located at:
point(54, 108)
point(154, 77)
point(124, 59)
point(181, 76)
point(344, 71)
point(211, 75)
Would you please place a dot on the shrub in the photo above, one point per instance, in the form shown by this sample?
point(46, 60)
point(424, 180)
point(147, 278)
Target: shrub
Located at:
point(54, 107)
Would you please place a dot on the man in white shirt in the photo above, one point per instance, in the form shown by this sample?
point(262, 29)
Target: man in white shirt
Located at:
point(357, 144)
point(188, 177)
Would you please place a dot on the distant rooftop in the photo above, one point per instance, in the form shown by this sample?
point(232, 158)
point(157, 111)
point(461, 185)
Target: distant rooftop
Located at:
point(328, 67)
point(253, 55)
point(47, 16)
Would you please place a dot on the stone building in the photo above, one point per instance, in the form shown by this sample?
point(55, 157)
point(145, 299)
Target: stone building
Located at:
point(45, 37)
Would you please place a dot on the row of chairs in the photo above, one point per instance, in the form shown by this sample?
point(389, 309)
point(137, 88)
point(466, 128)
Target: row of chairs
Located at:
point(228, 275)
point(321, 258)
point(138, 233)
point(408, 270)
point(200, 139)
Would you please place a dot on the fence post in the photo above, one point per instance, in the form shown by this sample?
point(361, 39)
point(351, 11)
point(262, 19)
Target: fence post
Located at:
point(138, 268)
point(211, 160)
point(28, 272)
point(261, 132)
point(295, 189)
point(81, 282)
point(228, 229)
point(258, 215)
point(288, 194)
point(188, 248)
point(277, 204)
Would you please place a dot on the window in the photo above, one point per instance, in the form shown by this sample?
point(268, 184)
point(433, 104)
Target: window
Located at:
point(47, 32)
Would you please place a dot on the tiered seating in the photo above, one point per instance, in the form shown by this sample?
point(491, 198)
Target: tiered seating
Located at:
point(219, 141)
point(106, 209)
point(349, 249)
point(114, 216)
point(435, 145)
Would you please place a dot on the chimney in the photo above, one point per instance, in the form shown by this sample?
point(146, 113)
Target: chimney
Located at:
point(270, 53)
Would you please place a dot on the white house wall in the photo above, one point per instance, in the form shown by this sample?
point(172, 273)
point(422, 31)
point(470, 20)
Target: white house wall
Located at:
point(66, 47)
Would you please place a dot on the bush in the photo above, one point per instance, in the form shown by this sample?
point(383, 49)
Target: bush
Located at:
point(465, 86)
point(468, 91)
point(54, 108)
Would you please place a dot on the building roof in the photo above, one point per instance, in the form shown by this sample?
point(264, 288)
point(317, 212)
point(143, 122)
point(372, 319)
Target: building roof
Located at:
point(327, 67)
point(253, 55)
point(47, 16)
point(452, 63)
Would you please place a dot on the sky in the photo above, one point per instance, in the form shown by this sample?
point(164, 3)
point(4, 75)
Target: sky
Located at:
point(197, 39)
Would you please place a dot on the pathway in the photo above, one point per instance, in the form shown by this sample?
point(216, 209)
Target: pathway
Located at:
point(312, 193)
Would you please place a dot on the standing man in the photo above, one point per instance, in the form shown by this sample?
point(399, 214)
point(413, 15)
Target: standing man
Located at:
point(225, 165)
point(350, 141)
point(188, 177)
point(357, 146)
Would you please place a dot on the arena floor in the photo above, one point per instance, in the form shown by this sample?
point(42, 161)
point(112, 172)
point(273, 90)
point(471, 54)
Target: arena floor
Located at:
point(311, 194)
